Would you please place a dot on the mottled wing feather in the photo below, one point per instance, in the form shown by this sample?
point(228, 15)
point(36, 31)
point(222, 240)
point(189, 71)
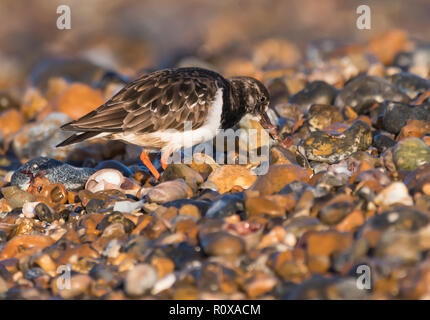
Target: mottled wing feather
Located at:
point(162, 100)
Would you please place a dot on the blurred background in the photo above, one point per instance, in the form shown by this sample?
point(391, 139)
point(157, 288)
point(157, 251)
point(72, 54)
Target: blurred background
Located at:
point(132, 35)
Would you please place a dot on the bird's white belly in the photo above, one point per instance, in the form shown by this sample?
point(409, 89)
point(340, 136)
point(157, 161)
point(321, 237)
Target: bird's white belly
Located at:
point(176, 140)
point(172, 140)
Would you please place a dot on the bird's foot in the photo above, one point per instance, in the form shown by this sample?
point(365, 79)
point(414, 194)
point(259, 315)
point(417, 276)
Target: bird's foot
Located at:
point(147, 162)
point(164, 161)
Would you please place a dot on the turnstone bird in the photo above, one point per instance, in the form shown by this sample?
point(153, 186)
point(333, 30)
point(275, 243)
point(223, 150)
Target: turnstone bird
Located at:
point(150, 111)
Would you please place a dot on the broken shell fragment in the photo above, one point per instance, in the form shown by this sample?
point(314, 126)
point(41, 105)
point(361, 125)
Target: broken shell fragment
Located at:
point(105, 179)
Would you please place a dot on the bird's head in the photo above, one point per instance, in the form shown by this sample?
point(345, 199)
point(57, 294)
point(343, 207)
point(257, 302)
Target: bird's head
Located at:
point(252, 95)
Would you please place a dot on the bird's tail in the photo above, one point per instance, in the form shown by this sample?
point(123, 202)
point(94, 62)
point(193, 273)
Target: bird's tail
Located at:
point(77, 137)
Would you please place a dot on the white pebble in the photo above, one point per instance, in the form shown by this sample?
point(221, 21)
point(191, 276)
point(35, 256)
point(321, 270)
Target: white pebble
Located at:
point(112, 249)
point(396, 192)
point(28, 209)
point(110, 176)
point(140, 280)
point(165, 283)
point(105, 179)
point(127, 206)
point(290, 239)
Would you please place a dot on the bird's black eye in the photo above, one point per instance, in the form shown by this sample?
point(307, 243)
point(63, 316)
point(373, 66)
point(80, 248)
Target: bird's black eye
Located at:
point(262, 99)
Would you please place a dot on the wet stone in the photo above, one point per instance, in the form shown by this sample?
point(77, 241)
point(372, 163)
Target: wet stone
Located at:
point(80, 285)
point(100, 271)
point(278, 91)
point(263, 206)
point(209, 185)
point(95, 205)
point(44, 213)
point(183, 254)
point(208, 278)
point(227, 205)
point(204, 169)
point(411, 153)
point(316, 92)
point(116, 217)
point(399, 246)
point(363, 92)
point(394, 193)
point(9, 162)
point(3, 237)
point(250, 232)
point(278, 177)
point(331, 148)
point(383, 142)
point(55, 171)
point(403, 60)
point(410, 83)
point(16, 197)
point(8, 100)
point(374, 175)
point(10, 122)
point(320, 288)
point(333, 213)
point(419, 180)
point(34, 273)
point(3, 287)
point(297, 188)
point(39, 139)
point(288, 112)
point(322, 245)
point(279, 155)
point(181, 171)
point(77, 100)
point(222, 244)
point(85, 196)
point(202, 206)
point(322, 116)
point(73, 69)
point(137, 245)
point(208, 195)
point(56, 193)
point(397, 218)
point(416, 128)
point(396, 115)
point(228, 176)
point(168, 191)
point(112, 249)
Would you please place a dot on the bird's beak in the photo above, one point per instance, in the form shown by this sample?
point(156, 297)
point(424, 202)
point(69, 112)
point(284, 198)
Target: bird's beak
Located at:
point(266, 124)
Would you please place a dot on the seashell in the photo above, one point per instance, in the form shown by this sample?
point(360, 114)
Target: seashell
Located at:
point(105, 179)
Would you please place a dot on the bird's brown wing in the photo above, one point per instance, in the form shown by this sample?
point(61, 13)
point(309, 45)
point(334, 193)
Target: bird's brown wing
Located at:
point(159, 101)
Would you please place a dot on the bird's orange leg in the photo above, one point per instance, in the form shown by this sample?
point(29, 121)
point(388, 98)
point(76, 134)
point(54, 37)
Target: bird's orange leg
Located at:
point(164, 160)
point(147, 162)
